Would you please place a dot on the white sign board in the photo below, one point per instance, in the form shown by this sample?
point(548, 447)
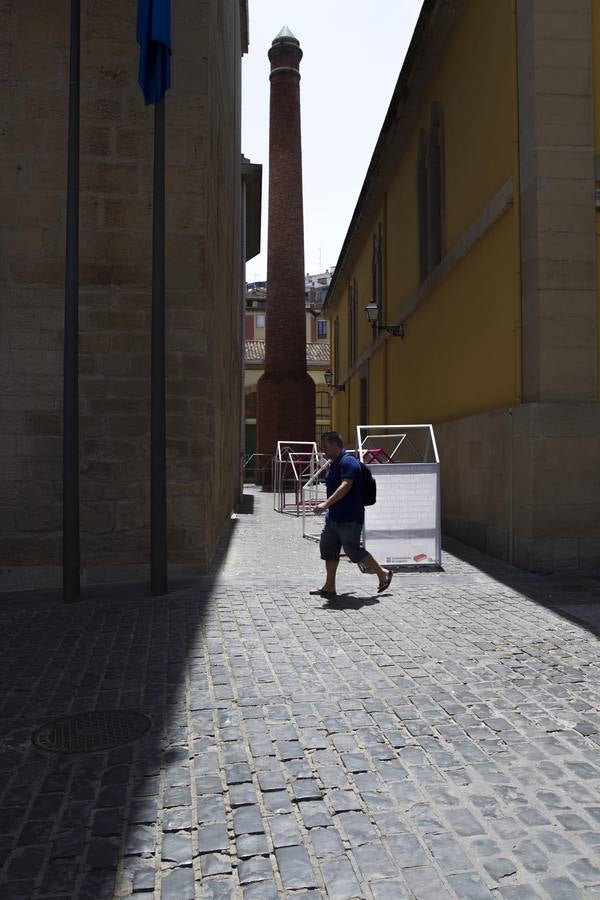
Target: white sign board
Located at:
point(403, 527)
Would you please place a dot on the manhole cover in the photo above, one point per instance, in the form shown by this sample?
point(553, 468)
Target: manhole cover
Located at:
point(94, 730)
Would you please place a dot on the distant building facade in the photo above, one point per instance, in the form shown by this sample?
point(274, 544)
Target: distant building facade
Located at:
point(477, 230)
point(317, 351)
point(213, 222)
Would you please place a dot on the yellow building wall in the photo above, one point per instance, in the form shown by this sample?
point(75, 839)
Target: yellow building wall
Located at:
point(458, 356)
point(377, 391)
point(461, 352)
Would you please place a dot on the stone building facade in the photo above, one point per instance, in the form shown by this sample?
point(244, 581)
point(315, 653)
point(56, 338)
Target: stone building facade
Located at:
point(204, 303)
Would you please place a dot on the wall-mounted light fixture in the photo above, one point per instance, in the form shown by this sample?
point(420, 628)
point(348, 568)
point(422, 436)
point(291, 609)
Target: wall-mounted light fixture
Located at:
point(329, 381)
point(372, 311)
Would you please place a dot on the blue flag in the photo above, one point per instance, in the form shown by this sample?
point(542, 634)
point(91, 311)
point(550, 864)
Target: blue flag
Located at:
point(154, 38)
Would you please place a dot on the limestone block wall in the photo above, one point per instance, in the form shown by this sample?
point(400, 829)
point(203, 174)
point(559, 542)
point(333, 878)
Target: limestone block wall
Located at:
point(202, 273)
point(475, 480)
point(523, 484)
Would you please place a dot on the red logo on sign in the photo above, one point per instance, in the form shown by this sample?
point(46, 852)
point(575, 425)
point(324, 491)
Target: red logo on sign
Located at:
point(419, 556)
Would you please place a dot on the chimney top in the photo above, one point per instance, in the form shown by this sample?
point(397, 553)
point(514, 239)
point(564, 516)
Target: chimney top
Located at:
point(285, 35)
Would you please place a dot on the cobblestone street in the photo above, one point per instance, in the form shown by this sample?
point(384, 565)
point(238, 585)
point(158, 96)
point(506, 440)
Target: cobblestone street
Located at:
point(441, 739)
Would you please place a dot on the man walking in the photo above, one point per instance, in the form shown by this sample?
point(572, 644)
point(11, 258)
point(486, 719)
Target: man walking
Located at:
point(345, 515)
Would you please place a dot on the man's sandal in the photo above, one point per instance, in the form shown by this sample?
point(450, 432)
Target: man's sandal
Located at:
point(321, 593)
point(385, 583)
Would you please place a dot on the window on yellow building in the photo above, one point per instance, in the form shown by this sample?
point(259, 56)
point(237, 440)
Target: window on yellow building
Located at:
point(431, 194)
point(323, 405)
point(377, 274)
point(352, 322)
point(336, 351)
point(422, 206)
point(435, 180)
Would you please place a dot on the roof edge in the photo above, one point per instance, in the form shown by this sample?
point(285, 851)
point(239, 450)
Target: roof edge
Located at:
point(404, 85)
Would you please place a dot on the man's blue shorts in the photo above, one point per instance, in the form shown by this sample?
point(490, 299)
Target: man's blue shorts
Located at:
point(336, 535)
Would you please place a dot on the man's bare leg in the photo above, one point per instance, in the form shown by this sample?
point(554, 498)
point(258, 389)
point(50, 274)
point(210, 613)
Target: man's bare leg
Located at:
point(331, 569)
point(329, 586)
point(374, 567)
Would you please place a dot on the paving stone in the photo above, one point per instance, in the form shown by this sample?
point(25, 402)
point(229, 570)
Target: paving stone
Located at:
point(585, 871)
point(314, 813)
point(103, 853)
point(212, 838)
point(519, 892)
point(178, 884)
point(241, 795)
point(247, 820)
point(18, 890)
point(143, 875)
point(469, 886)
point(24, 860)
point(98, 885)
point(531, 856)
point(295, 868)
point(177, 796)
point(424, 882)
point(407, 851)
point(306, 789)
point(343, 801)
point(284, 831)
point(256, 868)
point(262, 891)
point(448, 854)
point(277, 801)
point(208, 784)
point(271, 780)
point(212, 809)
point(340, 880)
point(374, 861)
point(357, 827)
point(215, 864)
point(144, 811)
point(326, 842)
point(463, 822)
point(251, 845)
point(389, 889)
point(177, 818)
point(177, 848)
point(560, 888)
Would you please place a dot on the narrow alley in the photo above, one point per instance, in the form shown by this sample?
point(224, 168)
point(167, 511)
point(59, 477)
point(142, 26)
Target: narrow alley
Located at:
point(439, 740)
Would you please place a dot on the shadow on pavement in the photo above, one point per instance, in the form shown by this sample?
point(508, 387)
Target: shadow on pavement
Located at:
point(349, 601)
point(84, 826)
point(573, 596)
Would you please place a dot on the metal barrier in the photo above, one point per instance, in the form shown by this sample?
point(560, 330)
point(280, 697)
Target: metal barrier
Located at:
point(261, 466)
point(294, 463)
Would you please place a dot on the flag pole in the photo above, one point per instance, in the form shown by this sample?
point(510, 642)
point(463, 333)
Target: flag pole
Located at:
point(158, 487)
point(71, 548)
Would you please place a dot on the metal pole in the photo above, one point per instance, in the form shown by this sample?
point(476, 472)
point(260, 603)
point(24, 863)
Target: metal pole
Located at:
point(158, 487)
point(71, 550)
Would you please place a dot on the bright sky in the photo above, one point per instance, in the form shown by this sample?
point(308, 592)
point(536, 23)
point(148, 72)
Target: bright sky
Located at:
point(353, 53)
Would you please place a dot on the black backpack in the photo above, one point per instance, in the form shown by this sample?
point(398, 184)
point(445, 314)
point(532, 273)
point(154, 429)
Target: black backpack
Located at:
point(369, 486)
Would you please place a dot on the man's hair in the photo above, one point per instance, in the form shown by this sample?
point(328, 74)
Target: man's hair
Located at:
point(332, 437)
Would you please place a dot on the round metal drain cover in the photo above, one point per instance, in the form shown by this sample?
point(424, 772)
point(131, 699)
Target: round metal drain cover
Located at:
point(89, 731)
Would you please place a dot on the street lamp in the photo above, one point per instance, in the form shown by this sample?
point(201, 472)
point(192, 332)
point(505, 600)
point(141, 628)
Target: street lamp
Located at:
point(372, 311)
point(329, 381)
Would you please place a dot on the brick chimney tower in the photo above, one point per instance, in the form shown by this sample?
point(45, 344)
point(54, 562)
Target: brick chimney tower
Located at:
point(285, 392)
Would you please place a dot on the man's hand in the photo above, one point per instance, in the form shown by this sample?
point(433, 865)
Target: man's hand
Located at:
point(320, 508)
